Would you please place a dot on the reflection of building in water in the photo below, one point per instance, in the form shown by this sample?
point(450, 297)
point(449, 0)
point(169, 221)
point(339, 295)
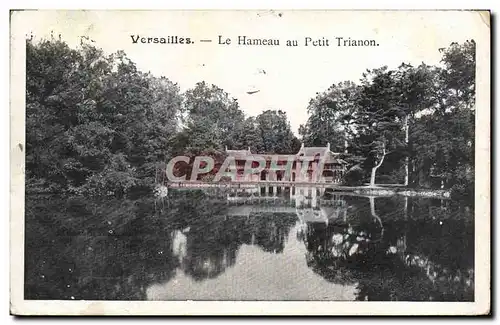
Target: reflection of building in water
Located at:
point(310, 209)
point(306, 205)
point(206, 248)
point(306, 208)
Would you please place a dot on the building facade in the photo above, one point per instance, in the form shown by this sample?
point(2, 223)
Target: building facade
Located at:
point(309, 165)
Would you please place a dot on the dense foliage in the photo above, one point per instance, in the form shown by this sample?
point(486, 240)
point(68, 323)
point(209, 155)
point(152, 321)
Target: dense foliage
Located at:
point(413, 124)
point(96, 125)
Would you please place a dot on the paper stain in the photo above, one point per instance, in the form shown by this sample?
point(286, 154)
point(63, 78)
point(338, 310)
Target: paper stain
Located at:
point(485, 17)
point(270, 12)
point(93, 309)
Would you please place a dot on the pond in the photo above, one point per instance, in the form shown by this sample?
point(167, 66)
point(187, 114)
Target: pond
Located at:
point(203, 247)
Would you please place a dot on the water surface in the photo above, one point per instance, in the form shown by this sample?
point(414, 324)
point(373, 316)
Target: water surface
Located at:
point(193, 246)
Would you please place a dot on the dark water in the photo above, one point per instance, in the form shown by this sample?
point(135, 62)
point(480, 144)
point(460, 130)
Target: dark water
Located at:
point(200, 248)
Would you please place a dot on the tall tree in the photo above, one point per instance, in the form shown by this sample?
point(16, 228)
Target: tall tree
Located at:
point(444, 136)
point(416, 86)
point(213, 118)
point(330, 116)
point(378, 128)
point(95, 124)
point(249, 136)
point(276, 133)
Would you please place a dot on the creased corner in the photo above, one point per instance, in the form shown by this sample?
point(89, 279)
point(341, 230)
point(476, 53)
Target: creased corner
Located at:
point(485, 17)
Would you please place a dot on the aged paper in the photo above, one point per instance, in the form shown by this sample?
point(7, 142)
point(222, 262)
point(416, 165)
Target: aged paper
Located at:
point(273, 162)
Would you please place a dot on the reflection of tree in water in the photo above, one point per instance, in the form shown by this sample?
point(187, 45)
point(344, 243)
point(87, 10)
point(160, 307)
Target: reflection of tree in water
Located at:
point(330, 246)
point(82, 249)
point(115, 249)
point(208, 251)
point(415, 260)
point(207, 239)
point(270, 231)
point(207, 247)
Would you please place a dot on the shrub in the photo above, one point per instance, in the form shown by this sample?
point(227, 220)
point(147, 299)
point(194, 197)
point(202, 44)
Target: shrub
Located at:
point(354, 176)
point(463, 190)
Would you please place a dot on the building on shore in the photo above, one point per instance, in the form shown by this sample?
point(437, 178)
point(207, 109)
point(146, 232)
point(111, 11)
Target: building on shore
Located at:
point(309, 165)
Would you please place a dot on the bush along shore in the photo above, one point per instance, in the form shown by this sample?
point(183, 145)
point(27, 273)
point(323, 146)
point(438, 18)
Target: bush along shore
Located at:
point(426, 193)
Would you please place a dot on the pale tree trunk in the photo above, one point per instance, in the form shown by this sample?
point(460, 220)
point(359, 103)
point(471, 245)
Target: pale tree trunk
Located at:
point(345, 141)
point(372, 208)
point(407, 157)
point(403, 241)
point(406, 218)
point(406, 208)
point(375, 216)
point(374, 169)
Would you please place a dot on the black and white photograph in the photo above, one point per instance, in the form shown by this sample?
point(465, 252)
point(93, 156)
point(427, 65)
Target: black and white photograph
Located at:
point(289, 162)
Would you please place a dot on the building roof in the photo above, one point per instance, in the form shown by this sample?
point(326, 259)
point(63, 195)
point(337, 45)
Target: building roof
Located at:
point(313, 151)
point(332, 157)
point(239, 153)
point(277, 157)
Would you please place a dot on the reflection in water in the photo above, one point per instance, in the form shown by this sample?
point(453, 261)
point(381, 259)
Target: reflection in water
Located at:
point(310, 246)
point(386, 268)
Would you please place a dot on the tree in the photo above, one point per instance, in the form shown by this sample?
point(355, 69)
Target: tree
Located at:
point(415, 86)
point(443, 141)
point(330, 116)
point(459, 75)
point(377, 127)
point(95, 124)
point(276, 133)
point(249, 136)
point(213, 119)
point(423, 116)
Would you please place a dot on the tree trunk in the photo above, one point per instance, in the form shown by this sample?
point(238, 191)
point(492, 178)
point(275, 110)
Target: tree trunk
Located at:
point(374, 169)
point(406, 208)
point(345, 141)
point(407, 157)
point(372, 207)
point(375, 216)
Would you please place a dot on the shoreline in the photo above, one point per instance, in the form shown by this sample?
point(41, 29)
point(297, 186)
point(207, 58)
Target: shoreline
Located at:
point(380, 190)
point(403, 191)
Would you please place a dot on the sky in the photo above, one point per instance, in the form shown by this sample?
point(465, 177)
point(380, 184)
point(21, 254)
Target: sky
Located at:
point(293, 75)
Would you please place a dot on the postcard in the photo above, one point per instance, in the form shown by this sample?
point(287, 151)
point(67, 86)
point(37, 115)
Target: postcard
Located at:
point(250, 162)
